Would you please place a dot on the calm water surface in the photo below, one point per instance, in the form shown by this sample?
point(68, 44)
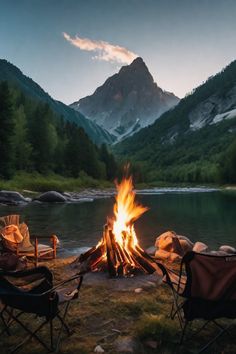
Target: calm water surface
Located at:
point(202, 216)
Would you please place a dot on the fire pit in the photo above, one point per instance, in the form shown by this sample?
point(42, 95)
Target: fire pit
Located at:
point(118, 251)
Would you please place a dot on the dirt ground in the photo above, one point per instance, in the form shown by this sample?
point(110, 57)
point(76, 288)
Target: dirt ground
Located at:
point(118, 316)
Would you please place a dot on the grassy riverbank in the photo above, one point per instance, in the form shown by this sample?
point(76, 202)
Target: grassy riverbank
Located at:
point(40, 183)
point(108, 317)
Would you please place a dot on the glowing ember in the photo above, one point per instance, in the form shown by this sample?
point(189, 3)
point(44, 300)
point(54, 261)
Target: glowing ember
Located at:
point(118, 251)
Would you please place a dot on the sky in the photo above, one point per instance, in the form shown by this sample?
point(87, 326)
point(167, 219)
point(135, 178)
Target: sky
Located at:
point(70, 47)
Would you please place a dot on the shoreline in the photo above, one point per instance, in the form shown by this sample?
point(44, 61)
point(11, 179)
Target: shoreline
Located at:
point(139, 188)
point(33, 184)
point(11, 197)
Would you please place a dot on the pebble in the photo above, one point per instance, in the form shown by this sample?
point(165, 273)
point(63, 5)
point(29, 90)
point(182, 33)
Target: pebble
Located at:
point(227, 249)
point(138, 290)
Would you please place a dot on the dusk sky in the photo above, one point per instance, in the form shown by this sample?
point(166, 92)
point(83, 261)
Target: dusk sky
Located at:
point(69, 47)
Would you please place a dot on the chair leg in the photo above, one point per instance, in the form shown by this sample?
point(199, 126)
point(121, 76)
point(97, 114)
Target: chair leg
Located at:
point(183, 332)
point(36, 254)
point(63, 324)
point(176, 311)
point(32, 334)
point(224, 329)
point(51, 334)
point(69, 332)
point(10, 319)
point(5, 324)
point(212, 341)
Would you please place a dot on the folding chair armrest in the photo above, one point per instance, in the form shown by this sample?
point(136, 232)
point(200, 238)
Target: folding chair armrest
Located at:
point(45, 237)
point(64, 282)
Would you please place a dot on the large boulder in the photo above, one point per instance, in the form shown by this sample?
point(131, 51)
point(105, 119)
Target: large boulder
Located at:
point(172, 247)
point(227, 249)
point(11, 197)
point(52, 197)
point(168, 256)
point(200, 247)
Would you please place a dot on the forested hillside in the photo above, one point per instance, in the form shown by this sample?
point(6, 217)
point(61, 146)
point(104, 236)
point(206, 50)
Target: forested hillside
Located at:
point(33, 138)
point(194, 142)
point(13, 75)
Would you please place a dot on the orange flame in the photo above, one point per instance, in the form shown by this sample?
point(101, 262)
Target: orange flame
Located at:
point(126, 211)
point(118, 251)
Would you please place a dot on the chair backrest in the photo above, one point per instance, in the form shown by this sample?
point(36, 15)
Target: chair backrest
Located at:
point(210, 277)
point(29, 291)
point(13, 219)
point(24, 230)
point(11, 242)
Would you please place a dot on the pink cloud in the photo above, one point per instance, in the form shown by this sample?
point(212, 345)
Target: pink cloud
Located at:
point(104, 50)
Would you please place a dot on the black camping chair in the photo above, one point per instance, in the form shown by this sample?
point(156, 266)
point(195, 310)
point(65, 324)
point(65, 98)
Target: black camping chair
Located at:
point(205, 290)
point(32, 291)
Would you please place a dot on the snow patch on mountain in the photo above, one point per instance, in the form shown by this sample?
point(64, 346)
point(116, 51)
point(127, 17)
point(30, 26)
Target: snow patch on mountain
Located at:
point(213, 110)
point(227, 115)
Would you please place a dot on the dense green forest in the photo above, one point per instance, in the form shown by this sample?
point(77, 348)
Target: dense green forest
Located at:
point(15, 78)
point(33, 139)
point(172, 152)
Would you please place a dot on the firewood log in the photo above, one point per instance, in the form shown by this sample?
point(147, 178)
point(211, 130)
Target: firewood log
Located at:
point(110, 254)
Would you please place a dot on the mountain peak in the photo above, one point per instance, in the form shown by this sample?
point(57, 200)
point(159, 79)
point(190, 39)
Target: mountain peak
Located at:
point(138, 62)
point(137, 65)
point(127, 101)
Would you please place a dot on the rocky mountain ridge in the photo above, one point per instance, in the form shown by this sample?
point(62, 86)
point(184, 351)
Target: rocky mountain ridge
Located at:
point(127, 101)
point(214, 109)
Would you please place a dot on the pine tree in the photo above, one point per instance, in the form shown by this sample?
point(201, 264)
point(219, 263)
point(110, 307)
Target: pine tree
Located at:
point(60, 150)
point(228, 164)
point(22, 148)
point(109, 161)
point(43, 138)
point(6, 132)
point(81, 154)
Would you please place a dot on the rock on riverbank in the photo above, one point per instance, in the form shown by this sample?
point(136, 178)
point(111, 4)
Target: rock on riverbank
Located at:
point(12, 198)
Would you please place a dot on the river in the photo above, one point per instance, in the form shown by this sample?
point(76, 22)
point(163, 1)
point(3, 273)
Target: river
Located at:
point(200, 214)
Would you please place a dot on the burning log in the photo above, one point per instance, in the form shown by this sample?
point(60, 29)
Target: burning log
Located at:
point(116, 260)
point(118, 251)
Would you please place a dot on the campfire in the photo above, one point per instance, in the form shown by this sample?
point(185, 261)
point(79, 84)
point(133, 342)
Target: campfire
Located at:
point(118, 251)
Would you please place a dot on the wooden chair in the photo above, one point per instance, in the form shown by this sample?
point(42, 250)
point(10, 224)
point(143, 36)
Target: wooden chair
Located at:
point(16, 238)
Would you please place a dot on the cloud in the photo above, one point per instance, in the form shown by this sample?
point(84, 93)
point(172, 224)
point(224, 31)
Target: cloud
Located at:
point(103, 50)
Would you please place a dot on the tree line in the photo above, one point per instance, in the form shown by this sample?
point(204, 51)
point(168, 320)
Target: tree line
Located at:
point(33, 138)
